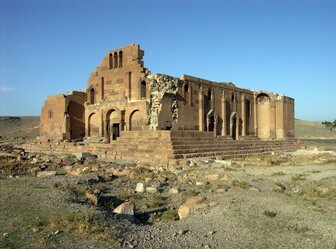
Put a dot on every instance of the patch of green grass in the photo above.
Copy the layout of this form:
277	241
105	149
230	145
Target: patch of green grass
279	173
155	200
269	214
34	222
226	168
80	223
169	215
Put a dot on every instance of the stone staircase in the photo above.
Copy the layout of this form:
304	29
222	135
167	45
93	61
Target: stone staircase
164	147
209	147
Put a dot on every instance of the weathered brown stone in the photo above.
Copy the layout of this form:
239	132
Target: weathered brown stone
191	204
160	118
127	209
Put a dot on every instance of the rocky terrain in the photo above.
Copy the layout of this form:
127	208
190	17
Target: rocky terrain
74	201
277	201
18	129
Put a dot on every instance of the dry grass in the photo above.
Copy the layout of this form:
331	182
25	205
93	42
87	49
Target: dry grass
240	184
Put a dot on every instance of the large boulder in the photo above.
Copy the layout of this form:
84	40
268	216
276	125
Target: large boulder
191	205
45	173
140	188
127	209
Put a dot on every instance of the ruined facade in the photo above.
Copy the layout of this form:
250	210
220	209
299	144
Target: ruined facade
123	96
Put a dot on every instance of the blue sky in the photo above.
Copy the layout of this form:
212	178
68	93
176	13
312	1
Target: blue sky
284	46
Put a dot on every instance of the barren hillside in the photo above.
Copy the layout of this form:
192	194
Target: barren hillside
311	129
24	126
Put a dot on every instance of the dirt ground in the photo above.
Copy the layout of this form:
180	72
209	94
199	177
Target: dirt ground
274	201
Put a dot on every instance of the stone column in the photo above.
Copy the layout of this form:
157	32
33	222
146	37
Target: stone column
86	124
243	106
255	115
212	101
201	109
237	127
101	132
215	124
223	115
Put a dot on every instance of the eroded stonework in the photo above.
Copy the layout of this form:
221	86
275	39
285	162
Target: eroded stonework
123	96
159	86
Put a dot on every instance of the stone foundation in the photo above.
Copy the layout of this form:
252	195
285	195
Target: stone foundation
168	147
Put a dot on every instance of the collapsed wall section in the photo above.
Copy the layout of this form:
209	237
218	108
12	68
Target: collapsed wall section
62	117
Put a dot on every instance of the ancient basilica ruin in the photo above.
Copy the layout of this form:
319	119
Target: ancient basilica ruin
128	112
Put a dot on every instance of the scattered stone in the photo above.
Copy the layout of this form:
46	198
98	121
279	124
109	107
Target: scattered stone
34	170
200	183
140	188
254	189
148	180
127	208
213	204
226	163
121	172
212	177
92	198
97	191
162	179
181	232
77	171
174	190
69	160
194	200
36	229
151	190
84	155
226	176
191	204
5	235
46	173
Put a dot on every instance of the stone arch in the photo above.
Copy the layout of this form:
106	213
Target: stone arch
93	122
143	90
263	115
120	59
210	120
233	126
112	124
110	61
135	121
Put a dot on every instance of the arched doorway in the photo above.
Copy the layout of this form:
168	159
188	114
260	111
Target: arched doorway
135	121
210	121
93	125
112	125
263	115
233	126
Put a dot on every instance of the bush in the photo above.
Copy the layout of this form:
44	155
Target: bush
270	214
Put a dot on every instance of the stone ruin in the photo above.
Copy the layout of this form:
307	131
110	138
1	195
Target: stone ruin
129	113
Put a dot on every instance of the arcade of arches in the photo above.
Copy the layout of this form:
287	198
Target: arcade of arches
123	96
